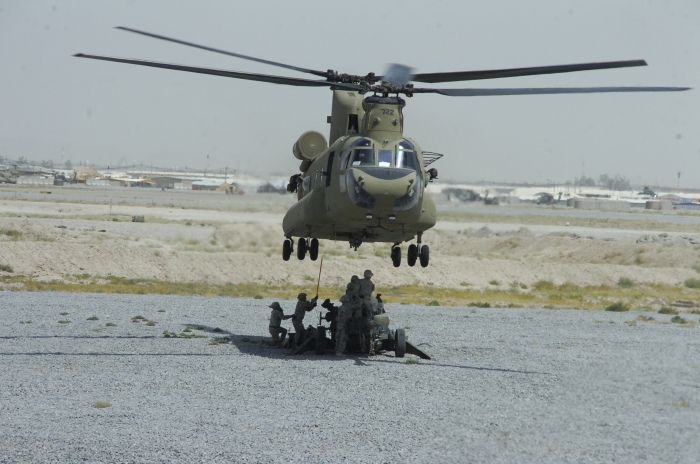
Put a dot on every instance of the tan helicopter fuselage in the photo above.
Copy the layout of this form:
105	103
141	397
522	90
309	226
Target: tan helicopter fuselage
369	184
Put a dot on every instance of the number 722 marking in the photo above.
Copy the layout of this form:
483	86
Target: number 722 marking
387	111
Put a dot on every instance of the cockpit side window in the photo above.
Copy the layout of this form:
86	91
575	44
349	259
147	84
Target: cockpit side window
406	156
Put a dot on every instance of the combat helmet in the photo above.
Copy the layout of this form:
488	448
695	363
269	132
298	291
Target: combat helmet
368	274
275	305
301	296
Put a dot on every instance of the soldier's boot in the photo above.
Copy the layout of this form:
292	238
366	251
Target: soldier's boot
340	353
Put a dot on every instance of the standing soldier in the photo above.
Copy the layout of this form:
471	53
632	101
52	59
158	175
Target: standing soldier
344	316
276	317
302	308
356	281
366	290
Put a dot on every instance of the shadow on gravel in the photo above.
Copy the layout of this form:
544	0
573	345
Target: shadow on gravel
494	369
77	336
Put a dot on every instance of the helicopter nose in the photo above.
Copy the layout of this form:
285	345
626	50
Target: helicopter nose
381	187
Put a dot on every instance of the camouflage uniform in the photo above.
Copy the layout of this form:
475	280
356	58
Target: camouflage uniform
366	290
302	308
344	316
276	317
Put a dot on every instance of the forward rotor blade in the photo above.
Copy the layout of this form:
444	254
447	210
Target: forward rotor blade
217	50
233	74
434	78
544	91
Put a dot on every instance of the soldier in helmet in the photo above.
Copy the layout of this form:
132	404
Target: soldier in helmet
302	308
331	316
356	281
276	318
344	317
366	290
367	313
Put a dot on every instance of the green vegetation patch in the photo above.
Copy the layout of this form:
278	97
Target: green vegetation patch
6	268
542	293
101	404
667	310
618	307
625	282
433	303
692	282
411	361
93	318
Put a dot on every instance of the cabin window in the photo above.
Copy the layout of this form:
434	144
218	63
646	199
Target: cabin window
306	185
385	158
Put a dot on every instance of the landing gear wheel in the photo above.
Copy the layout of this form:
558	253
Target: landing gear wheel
396	256
301	248
320	340
400	343
412	255
313	249
286	250
424	256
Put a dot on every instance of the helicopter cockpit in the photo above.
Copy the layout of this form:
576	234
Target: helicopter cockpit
363	154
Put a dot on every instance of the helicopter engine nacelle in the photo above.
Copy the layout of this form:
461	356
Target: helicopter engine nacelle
309	146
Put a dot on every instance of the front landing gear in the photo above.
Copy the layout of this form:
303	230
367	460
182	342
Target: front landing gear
396	255
303	245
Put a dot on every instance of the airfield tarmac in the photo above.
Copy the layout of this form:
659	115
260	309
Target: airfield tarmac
505	385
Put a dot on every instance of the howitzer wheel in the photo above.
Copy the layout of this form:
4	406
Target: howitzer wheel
320	340
400	343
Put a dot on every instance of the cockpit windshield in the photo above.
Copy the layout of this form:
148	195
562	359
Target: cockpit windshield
406	156
362	153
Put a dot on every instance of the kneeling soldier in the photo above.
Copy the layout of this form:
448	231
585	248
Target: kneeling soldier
276	317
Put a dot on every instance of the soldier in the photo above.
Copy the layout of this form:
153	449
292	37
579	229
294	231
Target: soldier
344	316
302	308
366	290
331	316
276	318
356	281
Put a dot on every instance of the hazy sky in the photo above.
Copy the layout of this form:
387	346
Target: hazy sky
54	105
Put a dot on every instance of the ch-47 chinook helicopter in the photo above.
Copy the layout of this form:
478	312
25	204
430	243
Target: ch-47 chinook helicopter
367	182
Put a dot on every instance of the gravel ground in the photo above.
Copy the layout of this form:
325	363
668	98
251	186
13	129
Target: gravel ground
505	385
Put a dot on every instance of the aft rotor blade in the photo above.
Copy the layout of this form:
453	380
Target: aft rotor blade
233	74
217	50
434	78
544	91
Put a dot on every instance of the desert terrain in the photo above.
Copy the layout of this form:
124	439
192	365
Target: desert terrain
78	234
